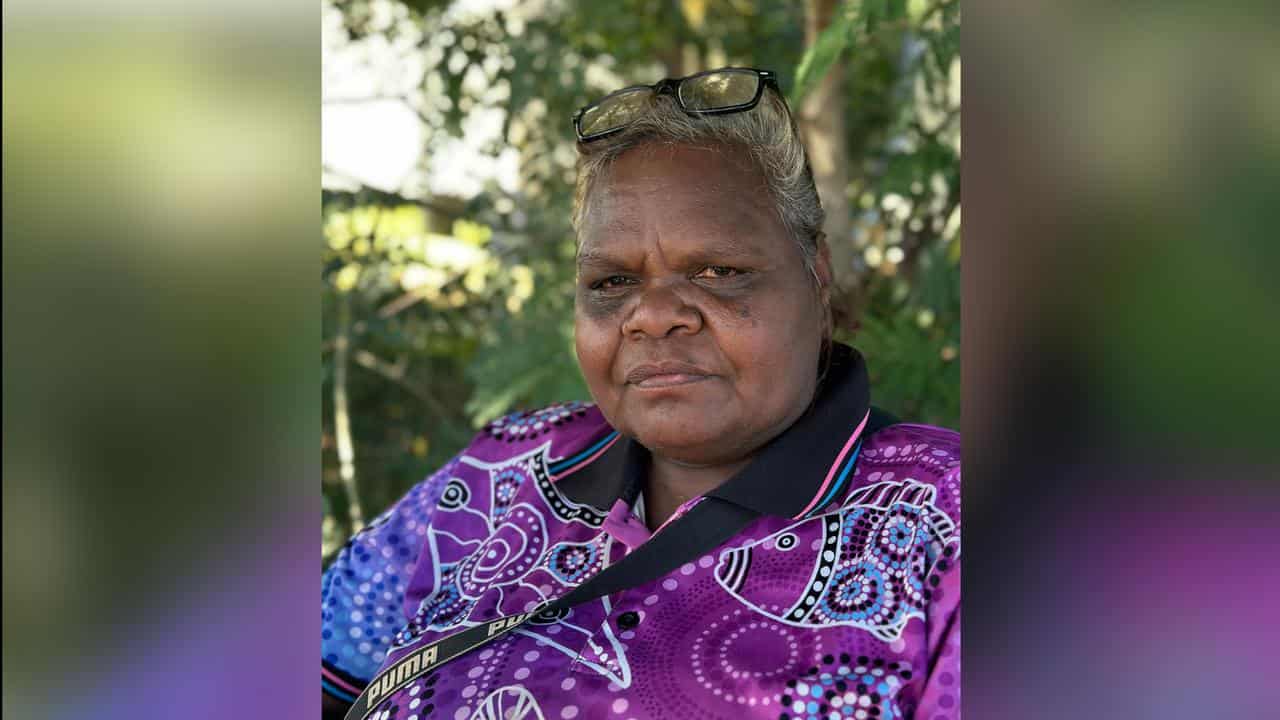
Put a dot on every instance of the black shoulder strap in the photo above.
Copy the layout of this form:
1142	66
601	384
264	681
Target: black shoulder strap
704	527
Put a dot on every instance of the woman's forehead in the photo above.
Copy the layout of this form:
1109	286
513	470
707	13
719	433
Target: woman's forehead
700	187
664	162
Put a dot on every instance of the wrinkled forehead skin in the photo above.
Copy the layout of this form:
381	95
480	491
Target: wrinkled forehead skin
718	186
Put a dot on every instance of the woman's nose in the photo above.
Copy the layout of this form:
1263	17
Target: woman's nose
661	311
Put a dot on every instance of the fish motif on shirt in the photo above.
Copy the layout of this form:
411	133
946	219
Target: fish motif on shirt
868	563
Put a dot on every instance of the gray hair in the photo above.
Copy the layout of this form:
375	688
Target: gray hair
767	132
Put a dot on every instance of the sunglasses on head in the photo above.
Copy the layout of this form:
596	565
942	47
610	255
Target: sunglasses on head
713	92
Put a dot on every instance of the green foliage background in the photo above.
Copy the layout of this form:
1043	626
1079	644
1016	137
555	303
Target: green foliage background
452	311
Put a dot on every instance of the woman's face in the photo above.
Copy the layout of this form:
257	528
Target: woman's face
698	328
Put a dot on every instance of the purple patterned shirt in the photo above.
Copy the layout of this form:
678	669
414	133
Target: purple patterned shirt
846	605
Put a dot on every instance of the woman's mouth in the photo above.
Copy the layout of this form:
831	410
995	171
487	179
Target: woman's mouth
672	380
664	375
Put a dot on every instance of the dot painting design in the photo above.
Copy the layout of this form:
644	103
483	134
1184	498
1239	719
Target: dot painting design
417	702
734	653
845	687
815	590
362	590
794	619
456	494
512	544
442	609
528	425
870	563
507	555
571	563
506	483
563	509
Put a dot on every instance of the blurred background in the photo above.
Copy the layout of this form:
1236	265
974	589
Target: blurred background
448	159
161	413
160	331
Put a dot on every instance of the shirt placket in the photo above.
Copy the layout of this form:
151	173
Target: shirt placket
603	619
622	615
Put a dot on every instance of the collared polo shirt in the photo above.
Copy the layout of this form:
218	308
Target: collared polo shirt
840	600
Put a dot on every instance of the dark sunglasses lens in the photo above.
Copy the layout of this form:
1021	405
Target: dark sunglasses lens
717	90
613	112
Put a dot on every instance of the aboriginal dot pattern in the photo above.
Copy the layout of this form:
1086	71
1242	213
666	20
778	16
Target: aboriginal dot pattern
814	618
530	425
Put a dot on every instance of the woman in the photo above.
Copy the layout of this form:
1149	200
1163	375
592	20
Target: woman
729	530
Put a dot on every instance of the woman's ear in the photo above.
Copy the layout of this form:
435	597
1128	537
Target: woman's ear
822	273
822	265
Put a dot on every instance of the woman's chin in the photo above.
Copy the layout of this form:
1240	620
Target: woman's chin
698	448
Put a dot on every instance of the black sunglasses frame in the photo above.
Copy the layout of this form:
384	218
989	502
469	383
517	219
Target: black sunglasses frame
672	87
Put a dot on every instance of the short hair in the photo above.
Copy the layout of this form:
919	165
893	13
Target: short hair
767	132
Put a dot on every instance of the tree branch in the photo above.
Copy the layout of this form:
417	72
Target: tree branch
396	373
342	415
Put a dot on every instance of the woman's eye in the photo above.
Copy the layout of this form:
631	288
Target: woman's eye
610	283
717	271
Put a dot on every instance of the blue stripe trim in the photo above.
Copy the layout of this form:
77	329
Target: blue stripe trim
562	464
343	675
839	484
336	692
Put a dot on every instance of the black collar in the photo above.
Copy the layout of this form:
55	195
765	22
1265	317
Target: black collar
792	474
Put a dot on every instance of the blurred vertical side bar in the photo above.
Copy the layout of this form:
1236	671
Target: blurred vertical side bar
160	327
1121	397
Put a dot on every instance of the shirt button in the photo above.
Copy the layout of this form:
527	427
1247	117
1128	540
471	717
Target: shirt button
628	619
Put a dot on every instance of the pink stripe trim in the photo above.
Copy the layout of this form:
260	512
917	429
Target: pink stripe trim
835	466
339	681
588	461
684	508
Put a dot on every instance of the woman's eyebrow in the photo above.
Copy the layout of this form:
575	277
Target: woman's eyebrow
720	247
731	246
597	258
